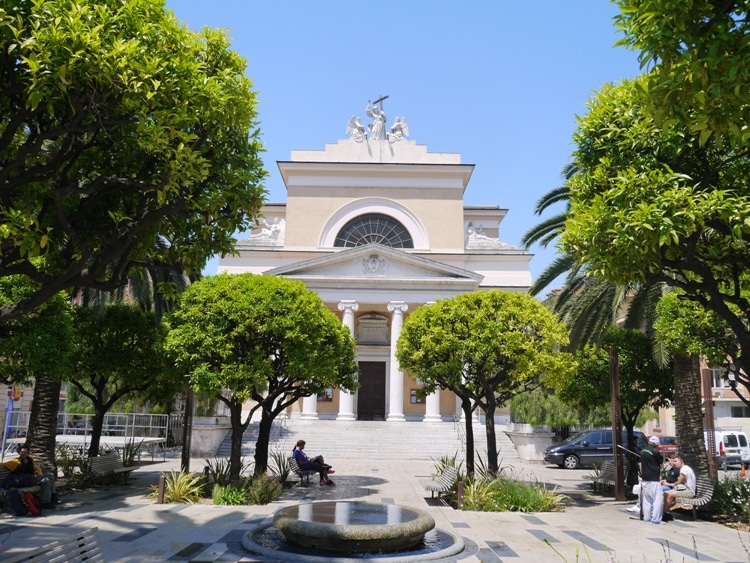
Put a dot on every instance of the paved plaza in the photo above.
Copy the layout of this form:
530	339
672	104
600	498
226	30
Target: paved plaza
593	528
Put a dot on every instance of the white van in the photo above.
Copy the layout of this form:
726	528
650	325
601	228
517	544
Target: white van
732	447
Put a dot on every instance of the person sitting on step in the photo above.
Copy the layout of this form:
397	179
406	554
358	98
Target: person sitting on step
315	464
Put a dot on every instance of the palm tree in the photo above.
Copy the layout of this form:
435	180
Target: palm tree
550	229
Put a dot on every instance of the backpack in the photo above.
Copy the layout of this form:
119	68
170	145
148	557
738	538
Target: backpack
14	501
32	503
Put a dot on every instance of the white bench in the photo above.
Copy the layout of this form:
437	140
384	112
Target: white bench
442	483
704	492
83	546
3	474
303	474
109	465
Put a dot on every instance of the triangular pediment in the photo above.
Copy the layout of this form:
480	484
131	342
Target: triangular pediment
375	262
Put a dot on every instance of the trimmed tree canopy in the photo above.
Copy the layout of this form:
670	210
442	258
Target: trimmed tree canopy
263	339
119	128
486	345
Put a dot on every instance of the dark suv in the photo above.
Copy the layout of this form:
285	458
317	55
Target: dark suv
592	447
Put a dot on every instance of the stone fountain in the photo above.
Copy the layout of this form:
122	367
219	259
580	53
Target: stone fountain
325	531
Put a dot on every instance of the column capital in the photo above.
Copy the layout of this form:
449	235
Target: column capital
349	304
395	306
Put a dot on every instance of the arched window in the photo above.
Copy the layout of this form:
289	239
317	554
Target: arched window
374	228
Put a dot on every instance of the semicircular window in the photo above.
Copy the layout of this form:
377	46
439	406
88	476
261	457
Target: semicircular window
374	228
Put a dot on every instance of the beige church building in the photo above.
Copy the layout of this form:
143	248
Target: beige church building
376	225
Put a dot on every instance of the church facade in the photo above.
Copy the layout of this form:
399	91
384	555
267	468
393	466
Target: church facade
376	225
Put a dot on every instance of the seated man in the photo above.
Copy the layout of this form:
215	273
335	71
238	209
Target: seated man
684	487
24	472
316	464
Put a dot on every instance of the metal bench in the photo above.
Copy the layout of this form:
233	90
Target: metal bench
303	474
704	492
441	483
606	475
3	474
83	546
110	465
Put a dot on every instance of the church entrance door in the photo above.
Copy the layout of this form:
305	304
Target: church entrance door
371	393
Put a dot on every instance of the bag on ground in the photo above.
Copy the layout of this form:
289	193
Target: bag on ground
18	481
14	501
32	503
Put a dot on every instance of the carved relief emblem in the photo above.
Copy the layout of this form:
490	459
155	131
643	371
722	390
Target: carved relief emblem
373	264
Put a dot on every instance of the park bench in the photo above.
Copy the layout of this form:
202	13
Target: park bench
441	483
3	474
303	474
83	546
606	475
704	492
110	465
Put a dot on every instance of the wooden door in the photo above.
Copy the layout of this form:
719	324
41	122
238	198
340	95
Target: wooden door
371	393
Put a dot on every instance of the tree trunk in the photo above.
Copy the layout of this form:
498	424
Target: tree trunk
97	424
43	422
261	446
689	412
489	425
235	457
630	458
466	408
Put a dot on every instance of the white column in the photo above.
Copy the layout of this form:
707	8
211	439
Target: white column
346	400
309	408
432	408
396	395
432	401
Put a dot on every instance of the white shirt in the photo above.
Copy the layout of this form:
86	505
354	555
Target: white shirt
689	477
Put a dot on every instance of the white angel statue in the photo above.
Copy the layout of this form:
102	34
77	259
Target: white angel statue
355	129
399	130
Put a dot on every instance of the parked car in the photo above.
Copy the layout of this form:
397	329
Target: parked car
732	448
591	447
667	445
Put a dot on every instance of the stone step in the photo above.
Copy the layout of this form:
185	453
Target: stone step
377	440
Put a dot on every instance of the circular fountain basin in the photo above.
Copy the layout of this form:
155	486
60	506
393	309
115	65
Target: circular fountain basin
353	527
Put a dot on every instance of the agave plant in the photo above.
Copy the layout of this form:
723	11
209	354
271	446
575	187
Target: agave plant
179	488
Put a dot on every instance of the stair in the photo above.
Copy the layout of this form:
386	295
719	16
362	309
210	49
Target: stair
340	440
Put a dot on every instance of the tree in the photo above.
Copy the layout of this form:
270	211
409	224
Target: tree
699	60
690	332
121	129
118	352
263	339
37	347
643	382
485	347
652	204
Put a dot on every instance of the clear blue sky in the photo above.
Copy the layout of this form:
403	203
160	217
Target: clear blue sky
500	82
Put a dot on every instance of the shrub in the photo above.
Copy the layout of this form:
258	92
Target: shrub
230	495
218	470
731	497
179	488
262	490
504	494
280	467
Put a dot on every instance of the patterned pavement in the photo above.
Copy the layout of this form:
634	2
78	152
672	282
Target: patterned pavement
593	528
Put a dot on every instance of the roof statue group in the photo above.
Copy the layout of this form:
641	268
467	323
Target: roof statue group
377	129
